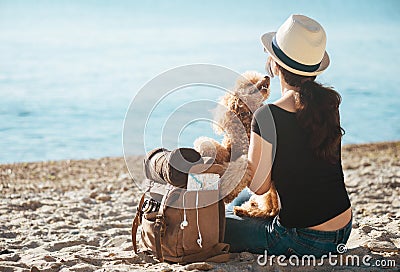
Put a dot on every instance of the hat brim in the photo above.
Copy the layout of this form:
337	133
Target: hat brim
266	40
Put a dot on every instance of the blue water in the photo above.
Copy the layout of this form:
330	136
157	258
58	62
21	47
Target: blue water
69	69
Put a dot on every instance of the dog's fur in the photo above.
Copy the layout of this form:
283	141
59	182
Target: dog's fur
233	120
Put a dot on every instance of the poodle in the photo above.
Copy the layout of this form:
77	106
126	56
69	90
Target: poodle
233	119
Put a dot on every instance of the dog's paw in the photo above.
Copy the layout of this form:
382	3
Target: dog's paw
205	146
239	211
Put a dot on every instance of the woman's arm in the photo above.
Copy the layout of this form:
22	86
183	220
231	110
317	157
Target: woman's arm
260	157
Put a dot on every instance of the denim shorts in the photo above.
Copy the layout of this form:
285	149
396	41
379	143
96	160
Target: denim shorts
256	235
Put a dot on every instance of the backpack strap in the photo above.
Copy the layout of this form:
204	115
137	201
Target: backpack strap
222	220
158	233
136	222
159	226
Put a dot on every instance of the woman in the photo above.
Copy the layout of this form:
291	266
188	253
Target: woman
315	215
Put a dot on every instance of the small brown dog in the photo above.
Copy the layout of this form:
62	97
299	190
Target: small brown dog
233	120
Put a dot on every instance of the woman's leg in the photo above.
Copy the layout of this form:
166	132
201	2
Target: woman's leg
246	233
256	235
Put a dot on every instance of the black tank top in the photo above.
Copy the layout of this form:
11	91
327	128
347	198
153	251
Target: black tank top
311	190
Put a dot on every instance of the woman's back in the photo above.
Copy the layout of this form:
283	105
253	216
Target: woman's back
311	190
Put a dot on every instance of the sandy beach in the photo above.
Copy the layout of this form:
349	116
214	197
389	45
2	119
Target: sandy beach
75	215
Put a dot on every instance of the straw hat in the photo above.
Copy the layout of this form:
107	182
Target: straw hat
298	46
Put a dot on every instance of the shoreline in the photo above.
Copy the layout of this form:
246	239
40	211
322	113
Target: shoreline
75	215
345	146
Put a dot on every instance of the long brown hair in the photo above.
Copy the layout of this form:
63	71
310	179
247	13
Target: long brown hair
318	113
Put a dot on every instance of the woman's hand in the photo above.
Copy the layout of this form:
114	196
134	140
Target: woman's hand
260	157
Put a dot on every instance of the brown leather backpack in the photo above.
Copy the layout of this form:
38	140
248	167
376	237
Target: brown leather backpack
189	225
184	235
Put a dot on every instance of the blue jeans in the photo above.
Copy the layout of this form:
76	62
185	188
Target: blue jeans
256	235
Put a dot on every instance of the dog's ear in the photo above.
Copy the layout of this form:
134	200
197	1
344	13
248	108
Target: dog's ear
237	105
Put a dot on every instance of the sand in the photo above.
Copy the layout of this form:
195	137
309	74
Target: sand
75	215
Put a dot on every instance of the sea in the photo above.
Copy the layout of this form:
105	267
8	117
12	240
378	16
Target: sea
69	70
